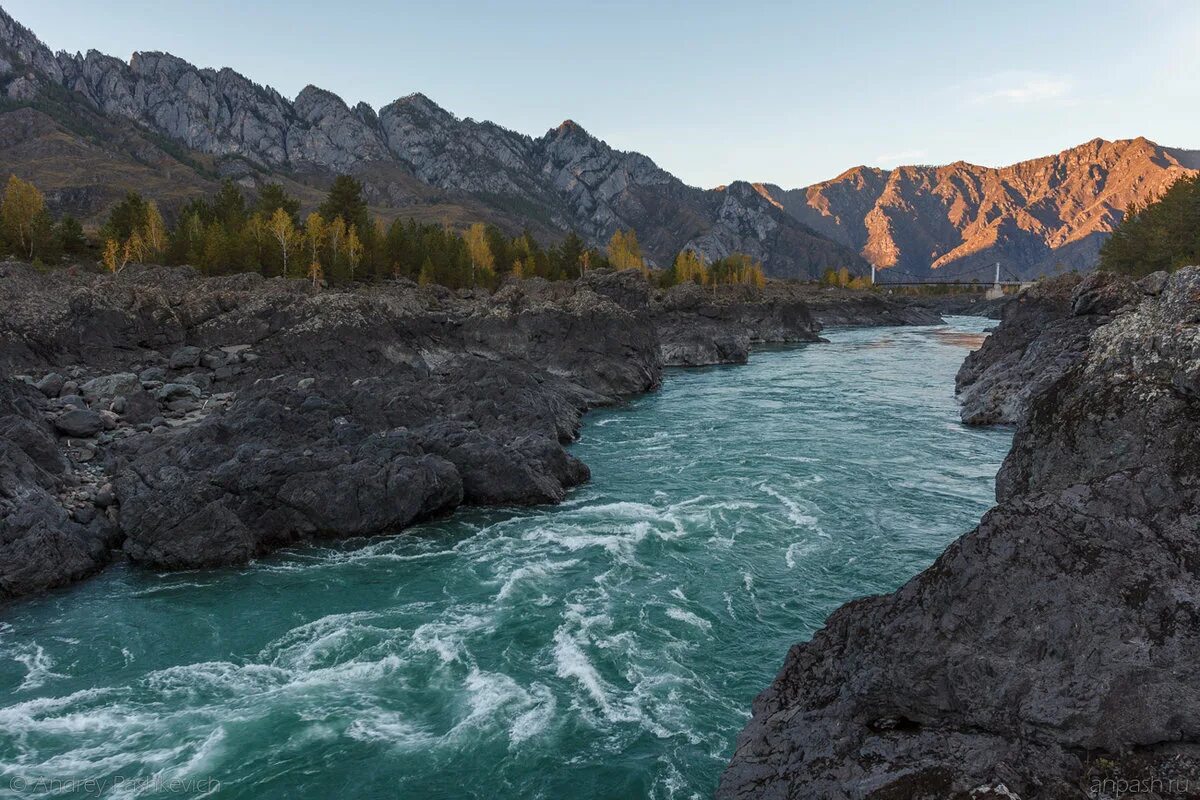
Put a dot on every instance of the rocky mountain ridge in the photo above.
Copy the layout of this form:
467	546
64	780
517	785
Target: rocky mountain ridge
565	179
1035	217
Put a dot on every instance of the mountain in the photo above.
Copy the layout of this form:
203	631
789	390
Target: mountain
1034	217
87	127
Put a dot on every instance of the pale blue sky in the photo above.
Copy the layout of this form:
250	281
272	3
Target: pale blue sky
790	93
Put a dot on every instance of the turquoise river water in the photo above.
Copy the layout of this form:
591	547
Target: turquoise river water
606	648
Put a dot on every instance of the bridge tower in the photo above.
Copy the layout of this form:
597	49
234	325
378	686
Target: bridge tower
997	291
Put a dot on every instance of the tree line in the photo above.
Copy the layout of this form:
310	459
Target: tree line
1162	235
337	243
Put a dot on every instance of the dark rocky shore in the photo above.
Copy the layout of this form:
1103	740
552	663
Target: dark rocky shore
185	422
1054	651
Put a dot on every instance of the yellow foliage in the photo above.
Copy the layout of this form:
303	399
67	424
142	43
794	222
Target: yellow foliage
283	231
21	204
624	252
480	252
689	268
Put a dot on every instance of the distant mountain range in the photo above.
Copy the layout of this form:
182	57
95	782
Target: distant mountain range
85	128
1034	217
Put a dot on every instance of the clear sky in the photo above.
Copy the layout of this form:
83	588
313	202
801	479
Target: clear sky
786	92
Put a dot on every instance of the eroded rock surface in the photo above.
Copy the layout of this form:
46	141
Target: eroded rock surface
1042	334
193	422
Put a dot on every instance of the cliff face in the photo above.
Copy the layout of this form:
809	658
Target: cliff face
1054	646
1034	217
409	154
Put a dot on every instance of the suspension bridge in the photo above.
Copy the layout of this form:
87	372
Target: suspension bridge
1002	277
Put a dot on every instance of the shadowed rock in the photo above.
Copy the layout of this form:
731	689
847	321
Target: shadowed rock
1054	644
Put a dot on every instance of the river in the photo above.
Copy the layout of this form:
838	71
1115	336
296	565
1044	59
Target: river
606	648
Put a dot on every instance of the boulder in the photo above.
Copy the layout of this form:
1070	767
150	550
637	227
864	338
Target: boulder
79	423
51	385
185	358
110	386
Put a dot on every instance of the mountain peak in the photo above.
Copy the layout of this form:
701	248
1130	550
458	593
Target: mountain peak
963	216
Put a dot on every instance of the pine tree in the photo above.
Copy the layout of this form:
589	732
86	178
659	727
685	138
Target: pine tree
125	218
229	207
273	196
71	240
345	200
1163	235
427	272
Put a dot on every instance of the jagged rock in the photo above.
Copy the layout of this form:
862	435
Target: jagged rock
1154	283
79	423
40	546
1055	642
1103	293
1040	338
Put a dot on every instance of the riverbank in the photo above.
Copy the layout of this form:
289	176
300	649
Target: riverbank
604	647
1051	652
186	422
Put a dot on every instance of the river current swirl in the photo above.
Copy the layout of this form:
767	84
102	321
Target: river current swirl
606	648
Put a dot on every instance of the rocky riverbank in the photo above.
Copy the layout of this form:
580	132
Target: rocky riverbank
1052	652
183	422
1044	332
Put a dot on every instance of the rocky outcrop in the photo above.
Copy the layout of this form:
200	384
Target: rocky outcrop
697	326
1042	334
1050	653
845	308
1034	217
50	531
193	422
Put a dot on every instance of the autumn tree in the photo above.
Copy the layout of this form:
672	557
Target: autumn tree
19	209
153	233
116	256
283	231
354	251
624	252
483	263
689	268
737	268
314	236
